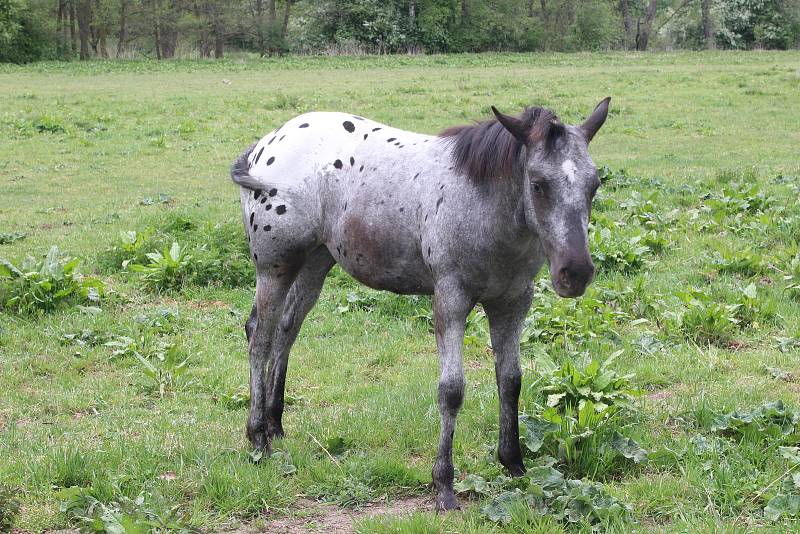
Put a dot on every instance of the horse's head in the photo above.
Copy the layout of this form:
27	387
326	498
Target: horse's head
560	181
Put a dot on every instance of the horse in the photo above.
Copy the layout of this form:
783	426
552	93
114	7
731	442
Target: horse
468	216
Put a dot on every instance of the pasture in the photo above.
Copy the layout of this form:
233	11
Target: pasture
132	397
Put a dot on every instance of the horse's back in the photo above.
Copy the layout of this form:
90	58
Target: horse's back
309	144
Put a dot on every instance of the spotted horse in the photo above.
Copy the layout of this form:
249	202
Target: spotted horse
468	216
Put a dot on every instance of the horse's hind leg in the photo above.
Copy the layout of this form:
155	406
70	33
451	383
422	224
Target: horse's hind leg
302	297
271	293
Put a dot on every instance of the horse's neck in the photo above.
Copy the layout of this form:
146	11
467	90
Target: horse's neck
505	205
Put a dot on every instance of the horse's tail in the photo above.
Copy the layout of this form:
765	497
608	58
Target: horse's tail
240	171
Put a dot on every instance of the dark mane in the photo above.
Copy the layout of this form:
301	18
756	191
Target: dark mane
486	150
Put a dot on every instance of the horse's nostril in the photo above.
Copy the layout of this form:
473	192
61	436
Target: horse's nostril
577	275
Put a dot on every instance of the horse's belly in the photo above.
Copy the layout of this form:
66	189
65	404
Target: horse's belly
381	256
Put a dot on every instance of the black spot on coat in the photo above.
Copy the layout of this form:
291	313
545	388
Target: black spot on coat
256	194
280	210
258	155
272	192
391	139
349	126
304	125
352	160
337	164
271	160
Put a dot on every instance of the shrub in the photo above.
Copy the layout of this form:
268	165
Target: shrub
771	421
208	254
9	507
703	320
145	513
613	252
10	237
743	261
792	277
549	493
44	285
580	420
552	319
786	502
166	270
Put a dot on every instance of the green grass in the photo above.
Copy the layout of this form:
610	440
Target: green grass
92	150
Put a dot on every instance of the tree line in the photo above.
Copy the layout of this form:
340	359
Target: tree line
33	30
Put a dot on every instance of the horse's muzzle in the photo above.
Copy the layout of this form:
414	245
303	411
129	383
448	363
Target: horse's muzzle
572	279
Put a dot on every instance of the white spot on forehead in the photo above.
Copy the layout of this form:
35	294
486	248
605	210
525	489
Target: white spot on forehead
569	169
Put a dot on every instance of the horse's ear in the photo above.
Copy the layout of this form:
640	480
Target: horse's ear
596	119
513	125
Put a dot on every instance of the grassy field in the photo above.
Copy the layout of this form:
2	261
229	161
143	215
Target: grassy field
142	393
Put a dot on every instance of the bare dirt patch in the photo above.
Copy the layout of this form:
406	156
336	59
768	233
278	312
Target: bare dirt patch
329	518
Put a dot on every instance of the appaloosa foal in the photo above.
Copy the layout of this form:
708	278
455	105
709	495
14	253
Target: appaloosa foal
469	216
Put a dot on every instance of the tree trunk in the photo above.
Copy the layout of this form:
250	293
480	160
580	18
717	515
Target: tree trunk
643	37
122	36
101	29
157	33
285	27
73	34
219	45
708	25
273	15
60	26
218	30
545	13
627	22
464	11
84	19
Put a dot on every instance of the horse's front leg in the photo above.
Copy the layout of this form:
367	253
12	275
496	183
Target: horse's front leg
506	319
451	307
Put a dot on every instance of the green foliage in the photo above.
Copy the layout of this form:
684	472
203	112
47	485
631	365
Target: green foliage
786	502
47	284
570	386
744	261
580	419
143	514
26	34
792	278
569	501
10	237
165	370
747	24
612	251
771	421
166	270
704	320
556	320
210	254
9	507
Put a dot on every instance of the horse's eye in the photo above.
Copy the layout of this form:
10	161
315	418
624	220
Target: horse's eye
537	188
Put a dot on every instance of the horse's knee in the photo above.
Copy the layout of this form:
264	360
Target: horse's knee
451	394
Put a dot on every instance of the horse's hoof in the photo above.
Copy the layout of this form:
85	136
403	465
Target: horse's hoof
515	469
275	432
446	500
259	440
